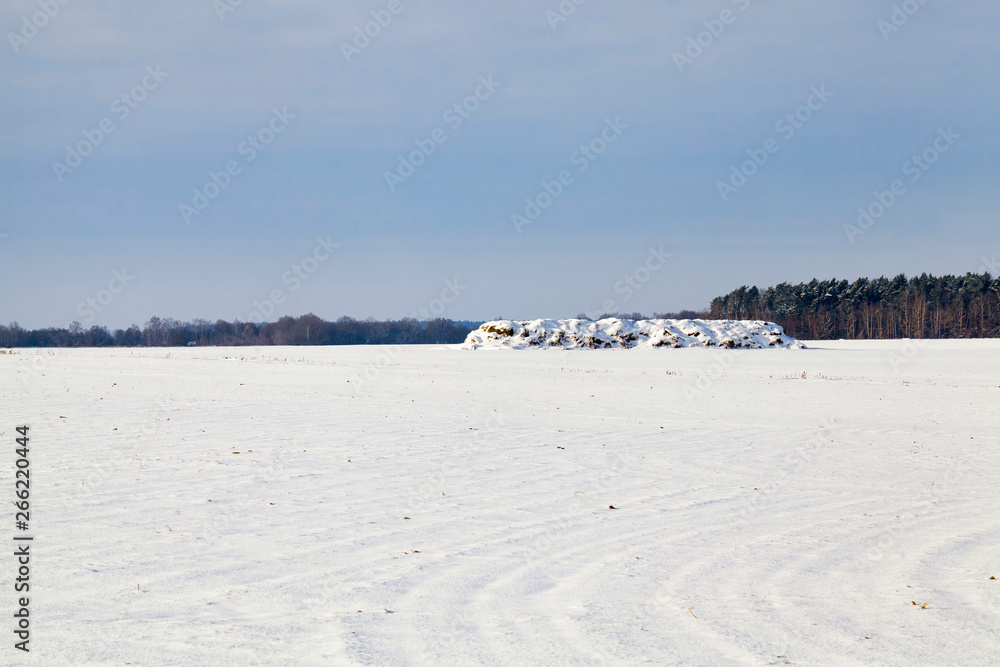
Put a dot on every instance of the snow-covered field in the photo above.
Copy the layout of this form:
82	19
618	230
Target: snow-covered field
438	506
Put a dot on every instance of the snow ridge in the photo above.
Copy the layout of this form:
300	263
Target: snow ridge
615	333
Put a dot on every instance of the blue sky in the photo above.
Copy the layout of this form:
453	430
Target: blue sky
345	120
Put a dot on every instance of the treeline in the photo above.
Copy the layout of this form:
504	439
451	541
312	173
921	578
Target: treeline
921	307
682	315
305	330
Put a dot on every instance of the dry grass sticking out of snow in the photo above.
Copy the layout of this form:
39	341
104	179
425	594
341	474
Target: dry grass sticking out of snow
263	506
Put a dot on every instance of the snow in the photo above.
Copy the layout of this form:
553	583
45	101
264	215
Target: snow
612	332
771	507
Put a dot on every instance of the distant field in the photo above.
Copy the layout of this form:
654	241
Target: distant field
431	505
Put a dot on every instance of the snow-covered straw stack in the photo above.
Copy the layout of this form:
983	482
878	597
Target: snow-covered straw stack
615	333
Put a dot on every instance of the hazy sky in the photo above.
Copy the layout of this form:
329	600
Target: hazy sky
309	114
